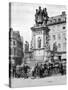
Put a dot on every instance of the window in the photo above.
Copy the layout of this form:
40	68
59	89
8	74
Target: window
59	19
51	21
53	27
55	20
59	45
11	42
14	51
64	45
14	42
65	18
54	37
64	36
63	27
54	47
59	37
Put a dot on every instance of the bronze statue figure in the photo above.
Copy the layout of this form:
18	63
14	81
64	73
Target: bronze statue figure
41	16
45	15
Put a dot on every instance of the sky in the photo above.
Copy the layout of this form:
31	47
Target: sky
23	16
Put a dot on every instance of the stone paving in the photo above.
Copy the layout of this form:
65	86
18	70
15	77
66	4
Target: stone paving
53	80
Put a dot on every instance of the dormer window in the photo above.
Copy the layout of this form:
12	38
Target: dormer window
59	19
55	20
63	27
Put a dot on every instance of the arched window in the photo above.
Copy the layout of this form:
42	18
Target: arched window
54	47
39	42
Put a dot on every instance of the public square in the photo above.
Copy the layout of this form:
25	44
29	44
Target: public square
53	80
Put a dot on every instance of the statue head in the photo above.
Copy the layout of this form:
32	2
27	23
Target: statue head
45	9
39	7
36	10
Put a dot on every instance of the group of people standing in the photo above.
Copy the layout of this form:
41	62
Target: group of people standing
39	70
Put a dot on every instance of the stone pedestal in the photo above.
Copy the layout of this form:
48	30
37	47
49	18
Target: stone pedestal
42	32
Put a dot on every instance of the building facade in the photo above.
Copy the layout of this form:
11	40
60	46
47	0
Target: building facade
15	47
55	27
28	55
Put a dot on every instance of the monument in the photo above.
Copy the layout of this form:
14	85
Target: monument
40	36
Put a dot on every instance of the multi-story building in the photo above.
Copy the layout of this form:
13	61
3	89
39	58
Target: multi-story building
27	54
56	27
15	47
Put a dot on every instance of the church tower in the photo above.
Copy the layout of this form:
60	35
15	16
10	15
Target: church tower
40	45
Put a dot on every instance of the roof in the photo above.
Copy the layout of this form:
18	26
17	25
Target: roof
57	19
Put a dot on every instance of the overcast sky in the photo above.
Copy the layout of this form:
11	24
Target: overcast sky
23	15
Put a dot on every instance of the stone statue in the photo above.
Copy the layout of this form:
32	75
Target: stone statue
40	11
54	47
45	15
38	16
39	42
41	16
26	46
